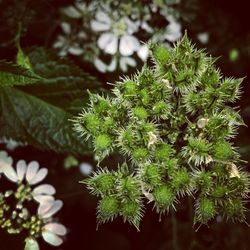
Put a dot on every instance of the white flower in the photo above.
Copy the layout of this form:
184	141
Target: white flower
124	62
31	172
49	208
173	30
78	11
143	52
66	43
4	160
11	144
44	193
117	36
51	233
203	37
85	168
32	175
51	230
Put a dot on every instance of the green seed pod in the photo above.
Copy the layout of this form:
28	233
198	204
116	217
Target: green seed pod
219	191
140	113
144	97
223	151
160	108
129	88
132	212
102	142
108	209
129	187
140	154
203	181
197	151
126	140
163	152
101	105
211	75
181	182
151	175
146	77
234	210
230	89
164	198
205	210
91	122
160	53
108	124
102	183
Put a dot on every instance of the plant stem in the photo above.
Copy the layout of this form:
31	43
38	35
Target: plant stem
174	231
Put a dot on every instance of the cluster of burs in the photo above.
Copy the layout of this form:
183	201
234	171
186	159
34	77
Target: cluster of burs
172	123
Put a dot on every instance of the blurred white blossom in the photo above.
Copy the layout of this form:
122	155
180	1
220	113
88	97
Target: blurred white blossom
119	34
27	176
203	37
86	168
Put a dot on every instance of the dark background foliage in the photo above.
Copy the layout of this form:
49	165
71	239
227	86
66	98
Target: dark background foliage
227	23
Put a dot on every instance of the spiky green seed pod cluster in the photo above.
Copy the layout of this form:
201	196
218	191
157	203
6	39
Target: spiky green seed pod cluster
173	121
120	194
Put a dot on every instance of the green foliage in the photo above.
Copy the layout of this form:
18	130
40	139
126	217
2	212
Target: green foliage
173	122
12	74
39	112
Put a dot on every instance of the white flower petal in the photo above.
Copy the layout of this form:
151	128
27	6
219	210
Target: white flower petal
75	51
9	172
5	158
203	37
71	12
44	189
99	26
82	35
173	31
66	27
41	174
131	26
128	45
103	17
108	42
124	61
40	198
21	169
60	42
44	207
112	66
102	67
31	244
31	170
52	238
123	65
49	209
56	228
143	52
146	27
85	168
81	6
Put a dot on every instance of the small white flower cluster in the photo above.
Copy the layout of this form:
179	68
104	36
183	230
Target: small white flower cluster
26	177
115	32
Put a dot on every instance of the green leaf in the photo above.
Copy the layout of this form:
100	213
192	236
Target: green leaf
22	59
63	83
31	244
27	118
12	74
39	113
